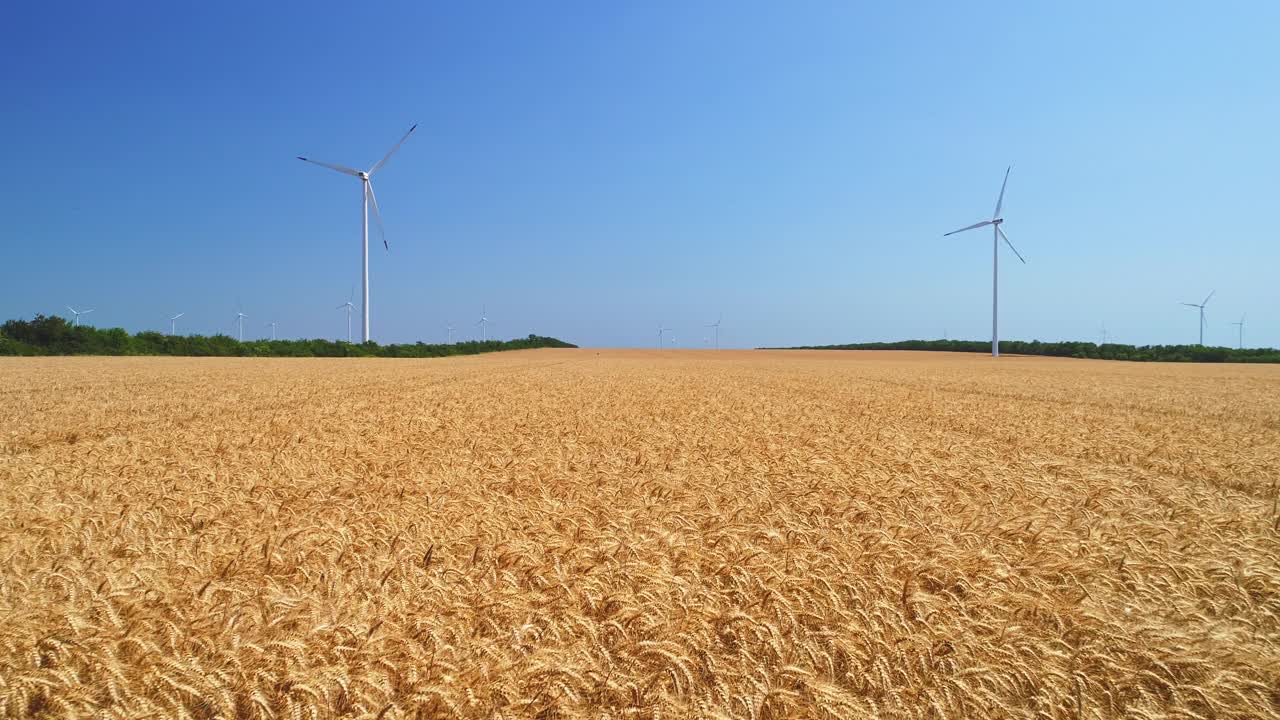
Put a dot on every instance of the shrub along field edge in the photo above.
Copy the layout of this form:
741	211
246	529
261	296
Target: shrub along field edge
1094	351
52	335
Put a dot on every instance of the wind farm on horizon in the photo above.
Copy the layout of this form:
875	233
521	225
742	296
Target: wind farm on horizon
665	335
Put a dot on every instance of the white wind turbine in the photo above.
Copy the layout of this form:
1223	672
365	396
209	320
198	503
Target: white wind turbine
996	235
348	306
661	330
78	313
272	325
716	325
449	329
484	324
1240	327
240	316
173	323
1201	307
369	197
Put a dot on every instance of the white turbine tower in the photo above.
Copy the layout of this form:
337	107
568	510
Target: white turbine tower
1240	327
173	323
369	197
1201	307
349	307
240	316
449	329
716	325
660	331
272	325
78	313
484	324
996	235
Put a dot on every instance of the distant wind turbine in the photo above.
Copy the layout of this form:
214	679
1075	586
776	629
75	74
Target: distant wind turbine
716	325
364	220
996	235
240	316
1201	308
1240	327
484	324
660	331
78	313
272	325
349	306
173	323
449	328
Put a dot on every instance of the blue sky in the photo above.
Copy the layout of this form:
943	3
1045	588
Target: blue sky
589	170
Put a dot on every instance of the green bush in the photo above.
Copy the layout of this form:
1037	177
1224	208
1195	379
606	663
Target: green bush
53	335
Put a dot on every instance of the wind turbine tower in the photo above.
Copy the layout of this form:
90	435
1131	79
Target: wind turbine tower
1201	308
997	233
1240	328
484	324
369	198
272	325
661	330
716	325
173	323
240	316
78	313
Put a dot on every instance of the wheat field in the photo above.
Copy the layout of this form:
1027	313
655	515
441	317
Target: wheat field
631	534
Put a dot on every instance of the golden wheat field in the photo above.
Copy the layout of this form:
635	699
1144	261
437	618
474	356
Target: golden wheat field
572	533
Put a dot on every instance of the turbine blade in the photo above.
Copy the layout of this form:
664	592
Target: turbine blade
1190	305
1011	247
1206	300
392	151
1000	200
86	312
974	226
339	168
377	216
73	310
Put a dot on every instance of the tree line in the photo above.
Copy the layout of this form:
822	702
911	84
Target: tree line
1106	351
53	335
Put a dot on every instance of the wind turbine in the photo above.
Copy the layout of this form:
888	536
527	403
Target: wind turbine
660	331
272	325
349	307
483	323
78	313
996	234
716	325
173	323
364	220
449	328
240	316
1240	327
1201	307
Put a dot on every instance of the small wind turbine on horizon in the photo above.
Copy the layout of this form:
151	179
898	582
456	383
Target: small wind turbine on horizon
78	313
173	323
716	325
661	330
483	322
272	325
449	329
1240	328
349	307
240	316
369	197
997	233
1201	308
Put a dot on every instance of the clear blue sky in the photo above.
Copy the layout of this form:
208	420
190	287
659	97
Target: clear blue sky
591	169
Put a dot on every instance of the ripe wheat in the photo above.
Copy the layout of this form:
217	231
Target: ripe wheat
565	533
